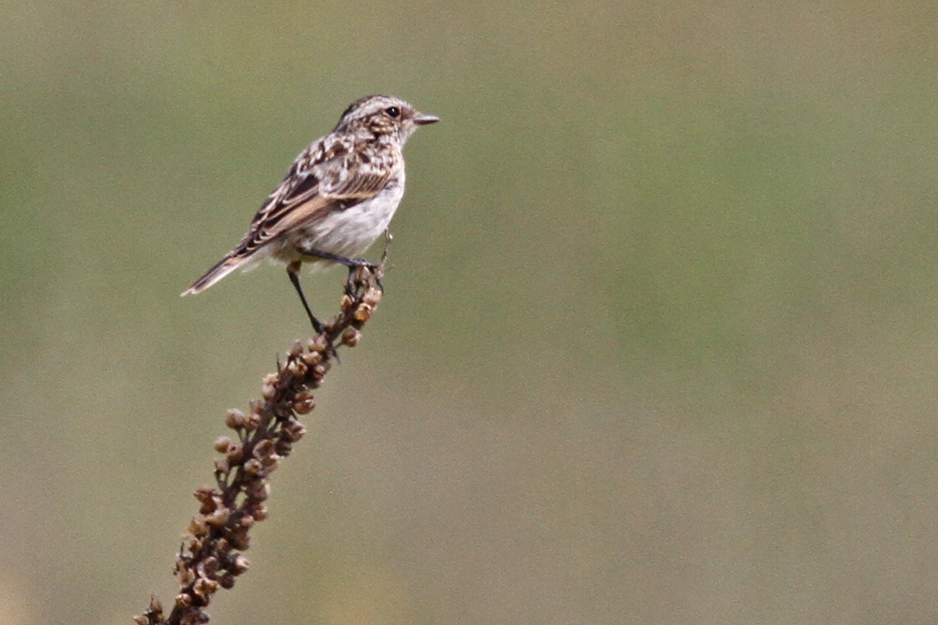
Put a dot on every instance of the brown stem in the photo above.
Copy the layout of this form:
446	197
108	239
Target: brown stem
211	556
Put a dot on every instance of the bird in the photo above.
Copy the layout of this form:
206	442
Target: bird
337	198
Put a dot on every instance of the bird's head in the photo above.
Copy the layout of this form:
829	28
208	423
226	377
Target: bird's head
383	117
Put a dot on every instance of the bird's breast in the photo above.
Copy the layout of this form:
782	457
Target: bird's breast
350	231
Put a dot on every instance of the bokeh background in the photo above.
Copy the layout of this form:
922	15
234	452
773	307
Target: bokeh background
660	344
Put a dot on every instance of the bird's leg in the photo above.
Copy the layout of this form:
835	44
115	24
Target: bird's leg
292	271
351	263
384	258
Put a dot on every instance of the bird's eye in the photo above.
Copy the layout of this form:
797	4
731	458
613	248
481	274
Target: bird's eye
393	111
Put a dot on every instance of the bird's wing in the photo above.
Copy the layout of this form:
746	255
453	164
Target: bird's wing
327	176
357	175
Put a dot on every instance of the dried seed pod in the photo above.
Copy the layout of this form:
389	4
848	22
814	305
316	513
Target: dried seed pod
239	539
204	588
363	312
293	430
241	565
205	493
303	402
372	296
197	526
234	454
319	344
253	467
184	577
297	368
208	567
263	449
259	490
254	420
351	336
218	518
235	419
222	547
260	512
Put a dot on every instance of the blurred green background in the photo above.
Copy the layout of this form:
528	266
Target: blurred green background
660	344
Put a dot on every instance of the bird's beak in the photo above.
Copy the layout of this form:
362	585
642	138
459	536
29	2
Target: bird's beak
421	119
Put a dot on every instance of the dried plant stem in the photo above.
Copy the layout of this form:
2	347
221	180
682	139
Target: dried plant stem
211	556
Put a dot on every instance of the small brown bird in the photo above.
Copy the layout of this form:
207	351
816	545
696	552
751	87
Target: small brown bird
337	198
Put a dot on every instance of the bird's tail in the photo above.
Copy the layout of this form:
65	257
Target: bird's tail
221	269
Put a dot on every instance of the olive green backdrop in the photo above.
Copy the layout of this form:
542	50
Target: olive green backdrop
660	344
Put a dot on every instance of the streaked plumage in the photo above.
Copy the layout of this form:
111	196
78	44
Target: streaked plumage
337	198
